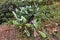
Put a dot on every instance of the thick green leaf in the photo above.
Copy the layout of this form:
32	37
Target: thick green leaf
10	21
37	24
29	25
24	19
42	34
16	23
27	32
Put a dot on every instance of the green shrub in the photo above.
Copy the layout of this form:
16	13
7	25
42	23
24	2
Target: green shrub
36	11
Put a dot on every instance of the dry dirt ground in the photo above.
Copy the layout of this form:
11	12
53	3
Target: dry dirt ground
7	32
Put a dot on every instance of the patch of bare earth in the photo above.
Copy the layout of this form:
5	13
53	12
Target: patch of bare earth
8	32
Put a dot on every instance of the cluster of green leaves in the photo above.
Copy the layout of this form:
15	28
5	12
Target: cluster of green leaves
40	12
5	18
24	14
27	2
57	16
38	9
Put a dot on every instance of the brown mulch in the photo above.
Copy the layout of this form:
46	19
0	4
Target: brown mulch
8	32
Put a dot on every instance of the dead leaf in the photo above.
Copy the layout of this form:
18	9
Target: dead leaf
35	33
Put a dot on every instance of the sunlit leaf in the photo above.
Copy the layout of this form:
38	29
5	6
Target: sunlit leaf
24	19
16	23
42	34
29	25
37	24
